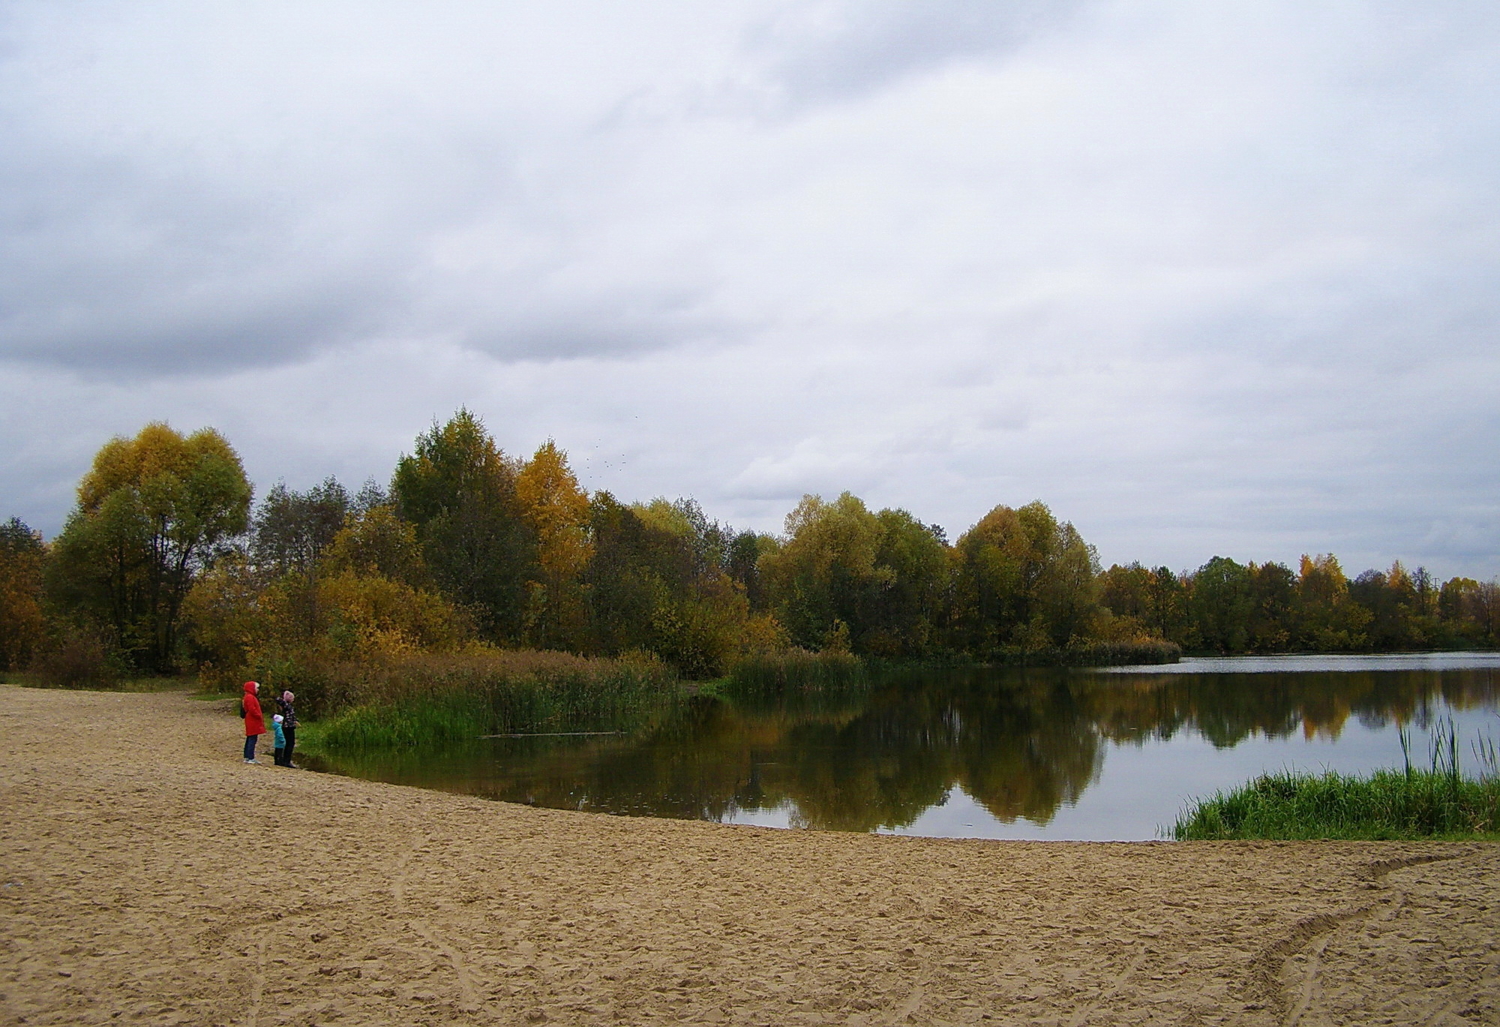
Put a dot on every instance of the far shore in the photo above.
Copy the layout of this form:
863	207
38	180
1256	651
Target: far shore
147	875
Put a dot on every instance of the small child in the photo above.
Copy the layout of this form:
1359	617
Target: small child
281	760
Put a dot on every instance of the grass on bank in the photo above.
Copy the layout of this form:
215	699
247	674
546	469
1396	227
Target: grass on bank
1435	803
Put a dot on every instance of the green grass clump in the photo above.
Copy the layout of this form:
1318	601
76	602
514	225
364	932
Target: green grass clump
1388	804
428	701
795	670
1408	804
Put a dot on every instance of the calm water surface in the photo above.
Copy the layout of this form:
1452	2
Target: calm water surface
1053	754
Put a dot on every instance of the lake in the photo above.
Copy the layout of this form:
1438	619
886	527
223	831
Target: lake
1110	754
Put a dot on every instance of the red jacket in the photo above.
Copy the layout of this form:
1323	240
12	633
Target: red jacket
255	719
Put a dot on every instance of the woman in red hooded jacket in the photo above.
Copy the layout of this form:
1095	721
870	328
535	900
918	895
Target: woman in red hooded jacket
255	719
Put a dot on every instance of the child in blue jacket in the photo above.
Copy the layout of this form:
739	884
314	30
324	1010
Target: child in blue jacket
281	760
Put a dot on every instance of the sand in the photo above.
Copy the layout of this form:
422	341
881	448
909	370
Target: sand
148	876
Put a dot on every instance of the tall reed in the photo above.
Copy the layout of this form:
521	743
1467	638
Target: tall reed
791	671
427	700
1089	654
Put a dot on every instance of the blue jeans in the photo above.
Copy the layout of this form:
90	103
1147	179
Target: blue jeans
250	741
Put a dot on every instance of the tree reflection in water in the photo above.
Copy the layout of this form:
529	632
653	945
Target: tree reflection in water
1021	743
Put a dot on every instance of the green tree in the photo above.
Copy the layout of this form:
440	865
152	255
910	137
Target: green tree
743	562
291	529
459	490
1273	593
152	513
657	582
912	570
1222	604
1470	611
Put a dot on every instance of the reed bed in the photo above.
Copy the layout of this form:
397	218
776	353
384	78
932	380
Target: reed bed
440	701
792	671
1437	802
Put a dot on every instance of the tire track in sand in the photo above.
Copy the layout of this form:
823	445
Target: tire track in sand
1267	968
469	1001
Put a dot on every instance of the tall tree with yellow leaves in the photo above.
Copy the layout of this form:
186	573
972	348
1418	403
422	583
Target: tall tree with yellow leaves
556	508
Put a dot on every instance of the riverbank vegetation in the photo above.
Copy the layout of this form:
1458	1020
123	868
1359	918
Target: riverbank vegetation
167	565
1385	805
1437	802
440	701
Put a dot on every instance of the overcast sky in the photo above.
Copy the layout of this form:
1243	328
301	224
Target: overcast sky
1205	278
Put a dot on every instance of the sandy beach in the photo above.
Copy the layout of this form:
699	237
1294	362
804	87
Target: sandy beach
148	876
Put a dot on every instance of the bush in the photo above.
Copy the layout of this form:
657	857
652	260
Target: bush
78	661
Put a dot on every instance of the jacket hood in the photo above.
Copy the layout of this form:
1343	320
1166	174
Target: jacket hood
249	686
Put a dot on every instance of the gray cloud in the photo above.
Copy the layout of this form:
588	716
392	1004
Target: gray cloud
821	52
1205	279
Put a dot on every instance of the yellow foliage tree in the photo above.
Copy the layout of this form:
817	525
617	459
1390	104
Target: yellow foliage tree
153	512
556	509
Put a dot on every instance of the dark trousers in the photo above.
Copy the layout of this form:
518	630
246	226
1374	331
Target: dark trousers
291	743
280	756
250	741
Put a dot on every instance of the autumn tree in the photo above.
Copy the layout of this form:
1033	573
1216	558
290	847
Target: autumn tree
556	510
22	625
825	573
1124	591
373	540
152	512
1325	616
1023	580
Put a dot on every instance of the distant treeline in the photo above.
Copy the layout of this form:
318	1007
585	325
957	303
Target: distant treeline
167	564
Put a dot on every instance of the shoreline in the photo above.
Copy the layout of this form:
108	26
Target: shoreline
148	876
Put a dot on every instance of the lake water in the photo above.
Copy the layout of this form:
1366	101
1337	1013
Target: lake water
1042	754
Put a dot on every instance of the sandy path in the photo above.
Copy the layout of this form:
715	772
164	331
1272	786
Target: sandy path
148	876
